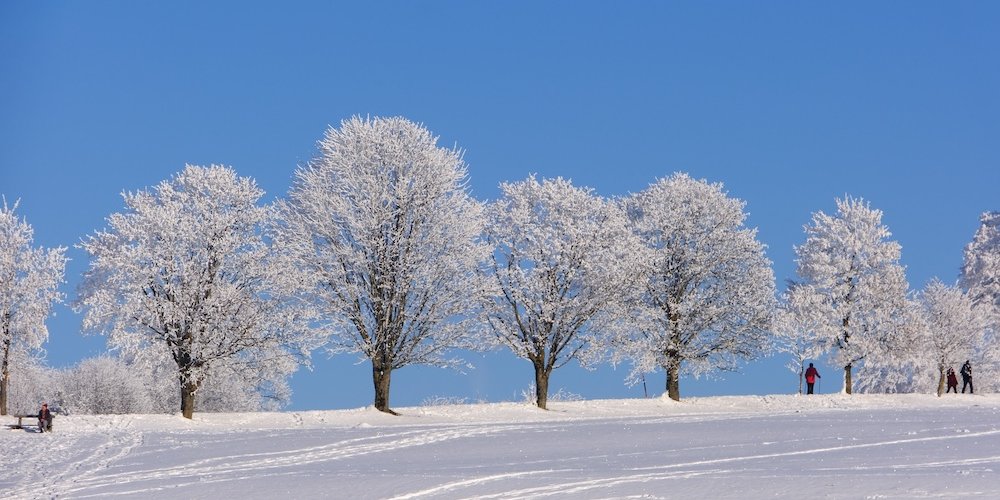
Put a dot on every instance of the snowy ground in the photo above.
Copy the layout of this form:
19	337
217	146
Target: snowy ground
861	446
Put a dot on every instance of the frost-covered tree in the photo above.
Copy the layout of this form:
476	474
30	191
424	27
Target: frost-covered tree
796	327
33	385
29	281
981	269
981	278
955	328
562	264
104	385
186	267
901	367
147	384
853	268
707	299
386	239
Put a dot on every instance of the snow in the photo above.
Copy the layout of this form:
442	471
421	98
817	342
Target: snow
826	446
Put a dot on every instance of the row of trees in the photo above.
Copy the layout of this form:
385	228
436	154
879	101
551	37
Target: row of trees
379	250
852	300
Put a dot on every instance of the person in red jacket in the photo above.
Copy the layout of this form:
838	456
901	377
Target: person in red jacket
811	375
952	381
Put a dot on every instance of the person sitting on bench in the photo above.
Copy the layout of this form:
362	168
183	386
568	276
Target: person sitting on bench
44	418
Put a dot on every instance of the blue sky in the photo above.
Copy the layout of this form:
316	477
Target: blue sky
789	104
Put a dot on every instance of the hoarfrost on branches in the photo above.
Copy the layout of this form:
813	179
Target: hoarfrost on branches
104	385
954	331
901	367
33	384
707	297
852	268
981	269
386	239
29	281
185	272
981	278
563	261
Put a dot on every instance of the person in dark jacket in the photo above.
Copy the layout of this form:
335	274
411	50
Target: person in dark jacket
811	375
952	381
44	419
967	377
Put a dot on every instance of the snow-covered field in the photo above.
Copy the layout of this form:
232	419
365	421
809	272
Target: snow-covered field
828	446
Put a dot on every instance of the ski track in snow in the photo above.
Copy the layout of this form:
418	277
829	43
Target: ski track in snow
52	479
81	475
649	474
879	452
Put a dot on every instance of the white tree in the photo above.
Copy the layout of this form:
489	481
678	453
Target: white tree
981	269
224	389
187	267
981	278
796	328
386	238
707	299
563	262
33	385
29	281
899	367
104	385
853	268
955	328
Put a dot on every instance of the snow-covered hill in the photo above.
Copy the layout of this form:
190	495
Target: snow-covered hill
829	446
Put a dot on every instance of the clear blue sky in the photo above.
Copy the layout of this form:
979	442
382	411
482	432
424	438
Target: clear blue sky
788	104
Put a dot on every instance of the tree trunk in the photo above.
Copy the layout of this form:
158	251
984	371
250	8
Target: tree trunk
381	378
673	369
185	365
4	381
188	391
4	377
941	380
802	371
541	386
847	337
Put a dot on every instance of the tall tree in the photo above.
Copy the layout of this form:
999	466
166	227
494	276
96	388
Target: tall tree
851	265
563	260
981	278
29	281
708	296
185	272
981	269
955	327
386	238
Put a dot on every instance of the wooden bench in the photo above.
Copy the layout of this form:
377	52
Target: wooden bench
32	422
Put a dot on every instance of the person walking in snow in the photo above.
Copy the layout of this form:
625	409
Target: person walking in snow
811	375
952	381
967	377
